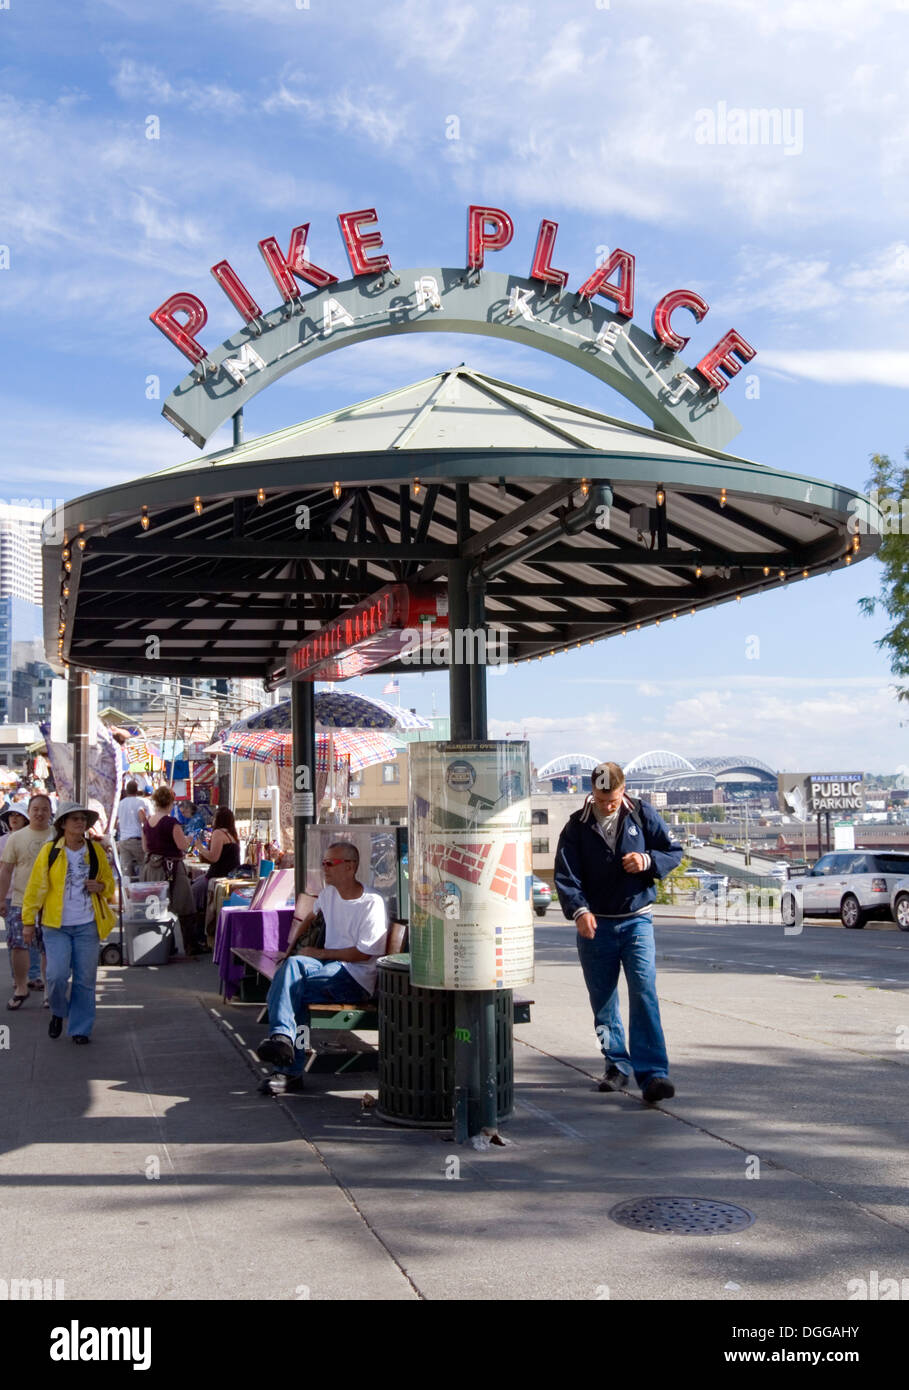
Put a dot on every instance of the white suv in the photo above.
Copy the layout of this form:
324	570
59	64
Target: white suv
853	885
899	903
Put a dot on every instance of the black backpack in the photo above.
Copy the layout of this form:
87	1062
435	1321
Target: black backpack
92	859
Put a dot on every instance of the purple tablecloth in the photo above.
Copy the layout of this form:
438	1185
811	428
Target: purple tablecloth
254	930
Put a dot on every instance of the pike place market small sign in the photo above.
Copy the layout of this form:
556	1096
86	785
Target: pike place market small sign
321	313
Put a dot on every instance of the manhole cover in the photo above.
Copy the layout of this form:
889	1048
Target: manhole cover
681	1216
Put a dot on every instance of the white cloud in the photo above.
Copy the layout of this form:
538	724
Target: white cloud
133	80
72	453
841	366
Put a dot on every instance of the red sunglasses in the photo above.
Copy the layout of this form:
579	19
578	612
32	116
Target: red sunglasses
327	863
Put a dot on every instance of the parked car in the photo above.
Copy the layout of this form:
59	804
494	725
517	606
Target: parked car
542	896
854	885
899	903
712	886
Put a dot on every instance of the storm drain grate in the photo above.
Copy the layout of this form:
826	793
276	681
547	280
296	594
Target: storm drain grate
681	1216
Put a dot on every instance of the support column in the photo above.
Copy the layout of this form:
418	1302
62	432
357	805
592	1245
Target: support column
475	1105
303	724
77	719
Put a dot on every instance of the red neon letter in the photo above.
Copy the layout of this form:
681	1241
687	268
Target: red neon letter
542	268
721	357
623	294
676	299
296	262
236	291
478	238
181	334
358	243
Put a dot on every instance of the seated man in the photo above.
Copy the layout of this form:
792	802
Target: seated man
343	970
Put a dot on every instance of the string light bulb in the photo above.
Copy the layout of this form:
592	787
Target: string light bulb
848	559
856	542
585	486
416	492
782	574
804	574
66	554
723	497
197	505
738	598
81	542
67	566
766	571
336	490
698	571
260	497
144	519
66	591
660	496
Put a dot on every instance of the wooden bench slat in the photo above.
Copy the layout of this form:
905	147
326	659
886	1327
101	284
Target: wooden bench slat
265	963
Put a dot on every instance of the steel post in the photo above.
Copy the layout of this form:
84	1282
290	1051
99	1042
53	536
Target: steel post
303	724
77	719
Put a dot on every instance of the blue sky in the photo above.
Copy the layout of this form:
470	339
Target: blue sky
273	112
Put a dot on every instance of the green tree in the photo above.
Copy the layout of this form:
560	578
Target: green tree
890	482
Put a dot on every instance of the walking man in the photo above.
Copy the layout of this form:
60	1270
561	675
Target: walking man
610	854
129	831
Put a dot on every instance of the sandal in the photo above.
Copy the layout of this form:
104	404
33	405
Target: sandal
36	984
17	1001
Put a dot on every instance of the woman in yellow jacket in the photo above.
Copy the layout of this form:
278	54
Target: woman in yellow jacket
71	886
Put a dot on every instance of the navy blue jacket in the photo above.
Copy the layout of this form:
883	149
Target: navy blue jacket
589	875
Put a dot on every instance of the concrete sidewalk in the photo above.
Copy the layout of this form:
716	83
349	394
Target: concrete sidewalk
147	1166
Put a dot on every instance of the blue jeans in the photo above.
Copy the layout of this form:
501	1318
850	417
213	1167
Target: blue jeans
628	943
299	982
72	950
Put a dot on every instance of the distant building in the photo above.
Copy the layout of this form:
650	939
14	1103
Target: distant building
20	552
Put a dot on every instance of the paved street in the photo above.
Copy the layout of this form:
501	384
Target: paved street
147	1165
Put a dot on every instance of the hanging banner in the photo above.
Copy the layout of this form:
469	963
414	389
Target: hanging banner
471	872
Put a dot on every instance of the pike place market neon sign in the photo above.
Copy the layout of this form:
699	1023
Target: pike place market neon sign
320	313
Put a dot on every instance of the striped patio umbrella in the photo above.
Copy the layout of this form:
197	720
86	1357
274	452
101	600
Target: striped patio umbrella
363	747
335	709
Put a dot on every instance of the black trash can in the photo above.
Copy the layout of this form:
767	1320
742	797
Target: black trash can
416	1050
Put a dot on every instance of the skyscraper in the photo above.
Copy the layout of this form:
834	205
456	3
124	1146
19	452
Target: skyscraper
20	551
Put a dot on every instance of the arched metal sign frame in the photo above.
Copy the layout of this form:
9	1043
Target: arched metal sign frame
448	300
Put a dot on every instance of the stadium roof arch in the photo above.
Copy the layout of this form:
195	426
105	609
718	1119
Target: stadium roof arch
659	760
568	762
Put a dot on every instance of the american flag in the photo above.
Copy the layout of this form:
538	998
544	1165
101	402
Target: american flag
393	686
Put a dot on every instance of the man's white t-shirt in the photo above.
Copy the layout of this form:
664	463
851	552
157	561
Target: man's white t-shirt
128	822
358	922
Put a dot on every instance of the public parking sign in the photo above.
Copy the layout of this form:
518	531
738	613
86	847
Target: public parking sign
837	791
